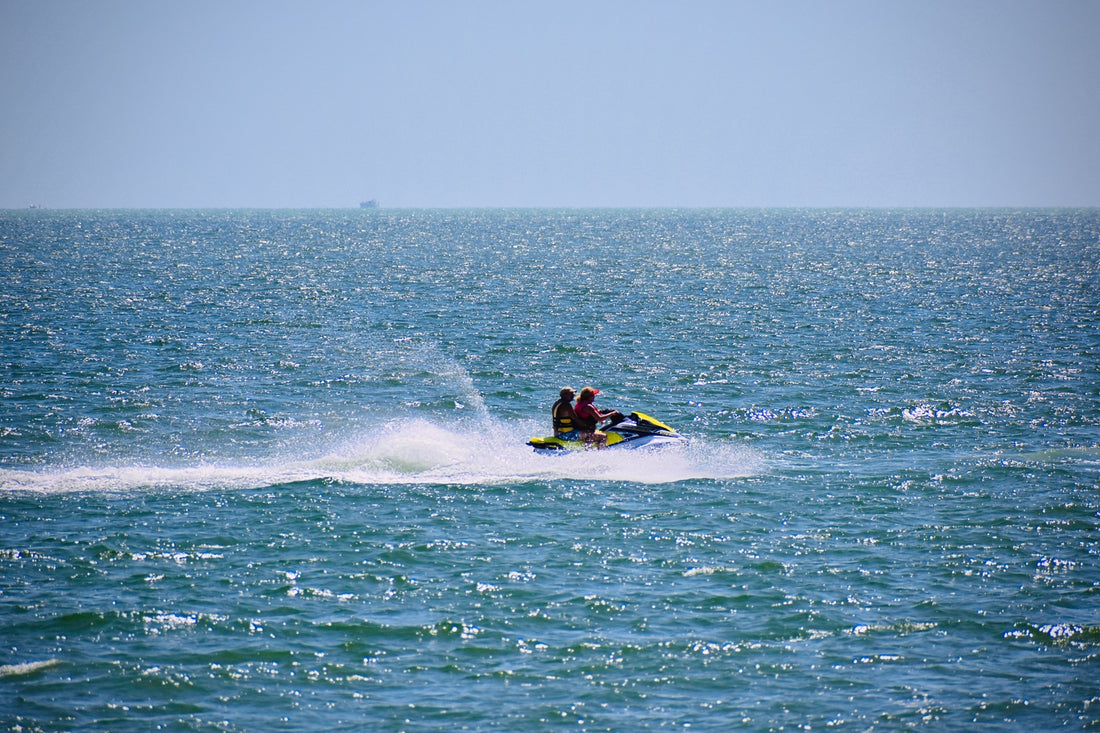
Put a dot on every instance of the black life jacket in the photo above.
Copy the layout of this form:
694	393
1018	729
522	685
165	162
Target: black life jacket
563	421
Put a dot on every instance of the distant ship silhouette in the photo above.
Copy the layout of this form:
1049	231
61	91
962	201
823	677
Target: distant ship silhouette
372	204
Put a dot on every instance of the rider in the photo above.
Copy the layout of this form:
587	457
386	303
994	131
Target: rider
565	420
589	416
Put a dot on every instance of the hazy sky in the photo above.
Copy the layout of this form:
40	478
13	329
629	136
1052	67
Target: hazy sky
241	103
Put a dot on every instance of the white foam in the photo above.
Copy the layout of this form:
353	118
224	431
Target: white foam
414	451
129	477
12	670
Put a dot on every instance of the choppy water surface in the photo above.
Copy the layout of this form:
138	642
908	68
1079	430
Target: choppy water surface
266	470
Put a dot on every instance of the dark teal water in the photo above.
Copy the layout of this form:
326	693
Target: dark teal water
266	470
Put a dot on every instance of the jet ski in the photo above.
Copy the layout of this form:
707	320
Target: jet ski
637	431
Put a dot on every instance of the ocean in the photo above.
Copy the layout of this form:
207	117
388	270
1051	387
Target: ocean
267	470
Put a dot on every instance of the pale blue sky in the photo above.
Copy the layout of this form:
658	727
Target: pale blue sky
241	103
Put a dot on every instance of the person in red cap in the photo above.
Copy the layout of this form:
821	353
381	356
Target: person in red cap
589	416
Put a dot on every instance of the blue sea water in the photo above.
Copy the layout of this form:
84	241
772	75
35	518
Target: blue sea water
266	470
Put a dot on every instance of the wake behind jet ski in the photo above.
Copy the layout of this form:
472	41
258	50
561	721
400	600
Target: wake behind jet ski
636	431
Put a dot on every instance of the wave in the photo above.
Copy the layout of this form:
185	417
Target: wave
411	451
26	668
